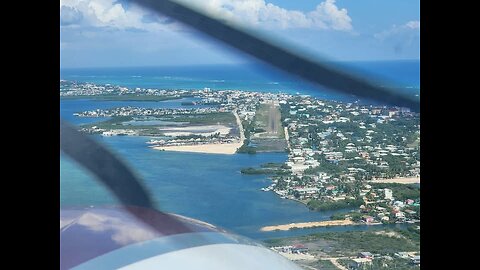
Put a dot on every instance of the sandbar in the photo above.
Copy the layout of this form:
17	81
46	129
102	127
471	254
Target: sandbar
214	148
302	225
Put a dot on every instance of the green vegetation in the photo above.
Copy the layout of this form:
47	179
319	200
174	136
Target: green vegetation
194	136
251	170
354	216
325	206
362	131
401	192
411	233
115	122
272	165
382	264
246	149
222	118
324	265
248	128
266	168
265	132
327	167
351	127
350	243
267	118
269	145
355	242
346	262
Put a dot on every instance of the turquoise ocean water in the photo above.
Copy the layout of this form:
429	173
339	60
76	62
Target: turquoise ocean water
208	187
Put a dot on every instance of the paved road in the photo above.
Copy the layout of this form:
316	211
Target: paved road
240	126
287	138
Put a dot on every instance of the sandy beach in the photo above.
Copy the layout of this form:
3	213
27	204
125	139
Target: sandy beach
213	148
302	225
403	180
217	148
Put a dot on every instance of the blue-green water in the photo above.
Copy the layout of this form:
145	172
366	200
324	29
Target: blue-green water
204	186
208	187
253	77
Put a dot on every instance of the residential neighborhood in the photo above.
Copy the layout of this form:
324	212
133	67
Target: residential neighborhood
338	154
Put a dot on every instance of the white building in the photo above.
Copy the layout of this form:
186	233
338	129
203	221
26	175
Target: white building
388	194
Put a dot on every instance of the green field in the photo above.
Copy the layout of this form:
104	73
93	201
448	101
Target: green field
351	242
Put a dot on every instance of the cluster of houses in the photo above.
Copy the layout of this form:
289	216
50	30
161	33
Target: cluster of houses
70	88
413	257
316	125
315	138
379	205
137	111
365	259
392	209
293	249
316	134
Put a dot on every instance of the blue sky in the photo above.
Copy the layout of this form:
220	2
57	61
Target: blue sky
106	33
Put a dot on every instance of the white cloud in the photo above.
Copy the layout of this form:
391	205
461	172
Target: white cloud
108	13
413	24
259	13
410	27
70	15
405	35
328	13
253	13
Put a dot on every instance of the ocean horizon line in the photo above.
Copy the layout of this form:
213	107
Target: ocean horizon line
235	64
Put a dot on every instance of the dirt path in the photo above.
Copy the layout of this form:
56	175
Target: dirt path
335	262
338	265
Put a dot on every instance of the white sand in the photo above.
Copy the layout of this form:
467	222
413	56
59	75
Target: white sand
214	148
206	130
403	180
302	225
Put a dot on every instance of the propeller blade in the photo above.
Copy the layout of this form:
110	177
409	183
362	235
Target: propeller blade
281	58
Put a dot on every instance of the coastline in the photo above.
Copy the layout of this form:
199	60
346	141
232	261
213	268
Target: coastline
143	157
214	148
303	225
400	180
